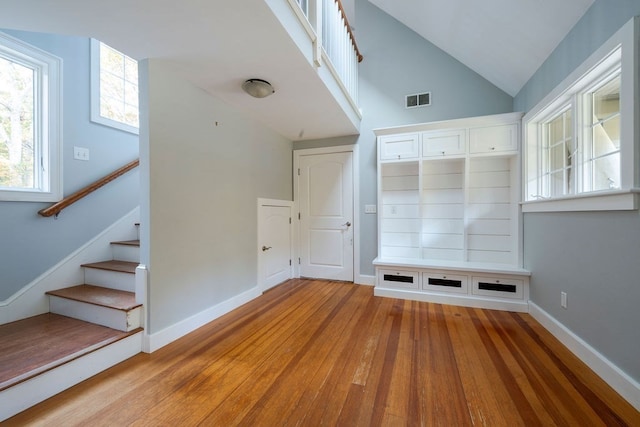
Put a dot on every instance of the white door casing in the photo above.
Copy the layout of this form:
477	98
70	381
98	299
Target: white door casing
325	203
275	242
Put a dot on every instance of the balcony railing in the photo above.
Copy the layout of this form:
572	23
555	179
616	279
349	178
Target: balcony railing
335	43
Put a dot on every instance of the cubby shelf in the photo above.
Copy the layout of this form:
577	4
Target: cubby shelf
448	196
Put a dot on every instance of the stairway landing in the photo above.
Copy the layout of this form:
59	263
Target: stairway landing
41	343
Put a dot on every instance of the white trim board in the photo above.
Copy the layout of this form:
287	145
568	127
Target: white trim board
274	202
618	200
626	386
474	267
460	300
365	279
166	336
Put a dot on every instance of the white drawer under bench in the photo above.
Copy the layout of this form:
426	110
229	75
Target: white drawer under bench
469	284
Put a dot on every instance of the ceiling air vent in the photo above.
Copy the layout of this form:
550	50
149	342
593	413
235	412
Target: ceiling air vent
418	100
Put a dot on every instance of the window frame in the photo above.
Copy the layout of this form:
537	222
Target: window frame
96	117
587	106
569	187
48	127
619	52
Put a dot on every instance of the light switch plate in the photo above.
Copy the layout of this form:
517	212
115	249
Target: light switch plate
370	209
81	153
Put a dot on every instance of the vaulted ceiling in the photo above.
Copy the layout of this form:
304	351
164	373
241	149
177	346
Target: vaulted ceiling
505	41
215	44
218	44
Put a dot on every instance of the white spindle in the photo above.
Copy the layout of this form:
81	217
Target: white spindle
304	6
335	38
338	32
343	51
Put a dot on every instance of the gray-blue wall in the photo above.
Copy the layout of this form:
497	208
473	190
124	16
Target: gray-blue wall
598	24
30	244
198	212
593	256
399	62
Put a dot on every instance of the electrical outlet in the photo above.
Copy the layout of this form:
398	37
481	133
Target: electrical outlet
81	153
563	299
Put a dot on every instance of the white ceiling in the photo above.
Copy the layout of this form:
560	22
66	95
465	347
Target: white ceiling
213	43
505	41
218	44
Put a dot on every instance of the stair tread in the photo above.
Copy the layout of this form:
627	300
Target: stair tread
127	243
114	265
97	295
38	344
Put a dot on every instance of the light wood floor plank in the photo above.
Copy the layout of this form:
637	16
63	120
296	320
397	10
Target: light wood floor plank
487	404
362	400
309	358
314	352
226	365
539	377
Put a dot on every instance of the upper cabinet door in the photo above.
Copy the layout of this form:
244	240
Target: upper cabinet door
494	139
444	143
399	147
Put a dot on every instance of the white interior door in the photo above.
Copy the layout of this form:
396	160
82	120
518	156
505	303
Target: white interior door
325	198
274	244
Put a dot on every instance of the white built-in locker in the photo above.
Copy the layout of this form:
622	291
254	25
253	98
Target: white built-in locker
448	213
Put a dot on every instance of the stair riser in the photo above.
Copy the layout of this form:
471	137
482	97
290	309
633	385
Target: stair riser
126	253
109	317
110	279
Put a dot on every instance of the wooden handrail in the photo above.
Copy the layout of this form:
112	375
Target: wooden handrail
351	36
56	208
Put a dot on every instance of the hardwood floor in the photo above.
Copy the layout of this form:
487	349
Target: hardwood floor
329	353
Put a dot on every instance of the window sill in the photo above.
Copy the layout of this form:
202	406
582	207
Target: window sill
617	200
29	196
114	124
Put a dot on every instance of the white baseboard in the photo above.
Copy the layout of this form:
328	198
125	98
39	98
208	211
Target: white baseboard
626	386
364	279
31	299
31	392
160	339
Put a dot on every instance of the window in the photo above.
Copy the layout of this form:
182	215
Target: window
602	139
558	156
30	111
577	139
114	88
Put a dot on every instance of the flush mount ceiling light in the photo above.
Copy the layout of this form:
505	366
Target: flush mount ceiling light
258	88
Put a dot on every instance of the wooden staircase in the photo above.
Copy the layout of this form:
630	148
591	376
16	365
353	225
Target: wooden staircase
107	297
103	306
91	327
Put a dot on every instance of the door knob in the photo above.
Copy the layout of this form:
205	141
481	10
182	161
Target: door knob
347	224
266	248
